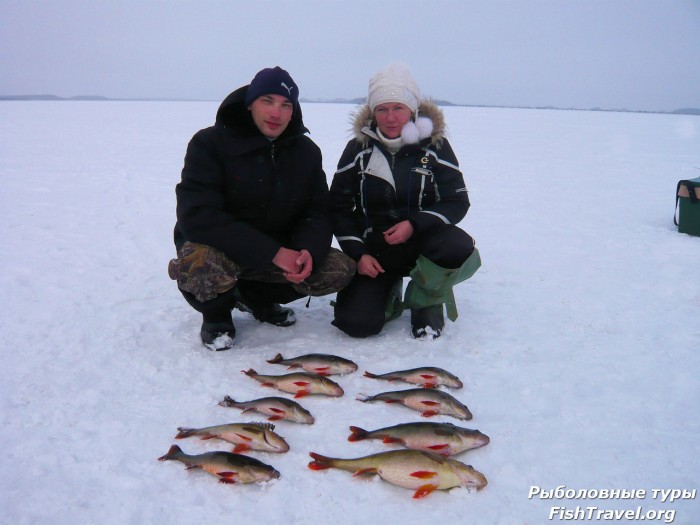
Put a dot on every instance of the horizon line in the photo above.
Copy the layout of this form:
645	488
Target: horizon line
357	101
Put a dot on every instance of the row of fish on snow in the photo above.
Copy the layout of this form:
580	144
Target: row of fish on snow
426	463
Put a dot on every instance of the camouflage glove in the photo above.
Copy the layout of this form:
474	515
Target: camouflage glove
203	271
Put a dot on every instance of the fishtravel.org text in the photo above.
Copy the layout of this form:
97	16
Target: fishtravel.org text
598	513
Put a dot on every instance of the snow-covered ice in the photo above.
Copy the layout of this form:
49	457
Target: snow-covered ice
578	340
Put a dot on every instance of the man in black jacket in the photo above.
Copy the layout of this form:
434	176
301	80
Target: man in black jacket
253	228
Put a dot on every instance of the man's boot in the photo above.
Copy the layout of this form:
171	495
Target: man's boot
265	312
217	335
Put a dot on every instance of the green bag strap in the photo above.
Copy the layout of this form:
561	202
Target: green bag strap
691	185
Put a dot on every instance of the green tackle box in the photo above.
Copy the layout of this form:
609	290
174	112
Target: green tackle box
688	206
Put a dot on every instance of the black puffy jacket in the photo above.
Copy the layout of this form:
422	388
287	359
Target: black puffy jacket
248	196
372	190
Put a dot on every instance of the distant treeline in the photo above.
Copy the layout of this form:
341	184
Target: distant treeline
51	97
356	101
362	100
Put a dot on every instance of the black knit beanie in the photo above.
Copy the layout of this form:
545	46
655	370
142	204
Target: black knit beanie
272	81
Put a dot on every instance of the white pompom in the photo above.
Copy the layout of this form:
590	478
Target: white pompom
425	127
409	133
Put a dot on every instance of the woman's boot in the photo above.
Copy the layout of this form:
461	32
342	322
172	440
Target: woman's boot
428	322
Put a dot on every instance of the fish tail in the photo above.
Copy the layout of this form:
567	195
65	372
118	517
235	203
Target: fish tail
185	432
358	434
363	397
173	453
250	372
320	462
228	402
370	374
275	359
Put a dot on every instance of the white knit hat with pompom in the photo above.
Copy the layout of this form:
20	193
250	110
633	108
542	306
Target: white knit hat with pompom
393	83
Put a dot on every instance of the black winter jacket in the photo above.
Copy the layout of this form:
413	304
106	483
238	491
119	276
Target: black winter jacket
248	196
373	190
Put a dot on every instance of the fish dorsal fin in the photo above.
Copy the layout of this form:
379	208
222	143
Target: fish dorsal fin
261	424
445	429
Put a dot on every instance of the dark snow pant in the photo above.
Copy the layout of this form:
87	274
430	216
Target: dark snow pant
269	286
360	307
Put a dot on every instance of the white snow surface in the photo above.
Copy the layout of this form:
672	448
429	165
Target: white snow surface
578	341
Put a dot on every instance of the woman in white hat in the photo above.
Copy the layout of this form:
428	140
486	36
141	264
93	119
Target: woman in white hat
396	198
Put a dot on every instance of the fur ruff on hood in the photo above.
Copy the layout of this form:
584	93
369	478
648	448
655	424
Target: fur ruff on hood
433	123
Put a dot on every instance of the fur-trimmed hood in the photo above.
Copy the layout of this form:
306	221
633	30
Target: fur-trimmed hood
430	123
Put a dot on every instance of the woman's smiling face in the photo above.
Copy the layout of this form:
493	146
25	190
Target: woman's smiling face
391	117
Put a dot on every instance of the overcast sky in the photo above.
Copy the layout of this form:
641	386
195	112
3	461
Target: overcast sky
612	54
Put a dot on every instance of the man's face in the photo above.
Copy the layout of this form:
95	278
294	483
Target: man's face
271	114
